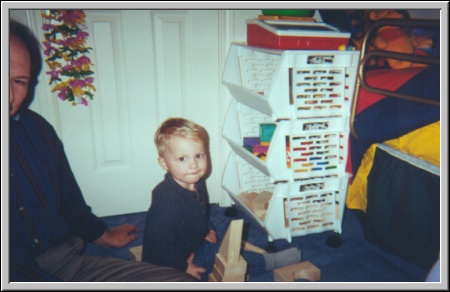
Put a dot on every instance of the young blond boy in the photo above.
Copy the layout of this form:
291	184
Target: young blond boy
177	230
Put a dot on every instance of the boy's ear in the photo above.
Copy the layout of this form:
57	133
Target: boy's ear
162	163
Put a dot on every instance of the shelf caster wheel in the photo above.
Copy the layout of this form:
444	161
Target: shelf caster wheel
231	211
271	248
334	240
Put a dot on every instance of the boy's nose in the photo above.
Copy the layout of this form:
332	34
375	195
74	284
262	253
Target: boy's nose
194	163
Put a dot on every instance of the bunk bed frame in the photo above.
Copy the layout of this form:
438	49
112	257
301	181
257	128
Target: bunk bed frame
367	55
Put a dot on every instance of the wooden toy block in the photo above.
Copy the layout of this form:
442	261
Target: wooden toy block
136	253
229	265
230	269
250	247
257	202
225	272
215	276
304	270
230	249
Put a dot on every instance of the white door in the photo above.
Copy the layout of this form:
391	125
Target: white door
149	65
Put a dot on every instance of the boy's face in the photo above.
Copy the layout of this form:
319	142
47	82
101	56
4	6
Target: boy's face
186	160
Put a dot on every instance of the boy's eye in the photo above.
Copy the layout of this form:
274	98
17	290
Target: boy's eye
199	155
182	159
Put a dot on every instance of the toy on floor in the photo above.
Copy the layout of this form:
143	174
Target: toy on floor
304	270
229	265
136	253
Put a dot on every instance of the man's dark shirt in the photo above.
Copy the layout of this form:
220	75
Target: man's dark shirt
46	205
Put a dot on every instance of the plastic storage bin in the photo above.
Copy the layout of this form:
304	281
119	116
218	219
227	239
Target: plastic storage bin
292	84
295	208
299	149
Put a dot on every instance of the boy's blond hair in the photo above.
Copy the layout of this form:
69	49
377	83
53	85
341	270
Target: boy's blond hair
179	127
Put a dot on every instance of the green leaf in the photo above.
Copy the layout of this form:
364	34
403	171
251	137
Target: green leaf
68	30
55	79
54	57
91	96
86	73
70	96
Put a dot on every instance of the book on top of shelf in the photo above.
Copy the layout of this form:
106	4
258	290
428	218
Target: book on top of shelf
295	35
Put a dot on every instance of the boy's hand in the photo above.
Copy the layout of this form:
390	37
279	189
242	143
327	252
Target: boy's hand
211	237
193	269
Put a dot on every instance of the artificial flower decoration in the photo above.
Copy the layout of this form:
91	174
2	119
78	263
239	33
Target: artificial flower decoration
65	51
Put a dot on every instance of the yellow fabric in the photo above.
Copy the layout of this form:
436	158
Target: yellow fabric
423	143
357	190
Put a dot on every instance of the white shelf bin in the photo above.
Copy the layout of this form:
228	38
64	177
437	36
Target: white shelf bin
241	177
316	205
292	84
295	209
316	146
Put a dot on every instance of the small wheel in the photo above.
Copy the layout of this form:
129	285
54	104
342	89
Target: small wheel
271	248
334	240
231	211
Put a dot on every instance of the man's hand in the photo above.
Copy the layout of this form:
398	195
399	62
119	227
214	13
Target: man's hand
118	236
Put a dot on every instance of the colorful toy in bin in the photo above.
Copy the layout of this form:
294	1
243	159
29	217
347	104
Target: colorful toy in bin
266	131
260	151
249	142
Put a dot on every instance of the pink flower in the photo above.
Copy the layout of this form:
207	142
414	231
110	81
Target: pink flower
84	60
89	80
77	83
48	49
81	35
73	16
53	74
48	26
84	101
68	67
69	42
63	93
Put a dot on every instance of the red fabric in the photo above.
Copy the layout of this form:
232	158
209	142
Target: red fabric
387	79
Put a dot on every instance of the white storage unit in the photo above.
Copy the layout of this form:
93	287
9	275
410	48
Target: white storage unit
307	95
292	84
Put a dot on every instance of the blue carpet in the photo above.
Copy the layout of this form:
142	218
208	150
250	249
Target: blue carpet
355	260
